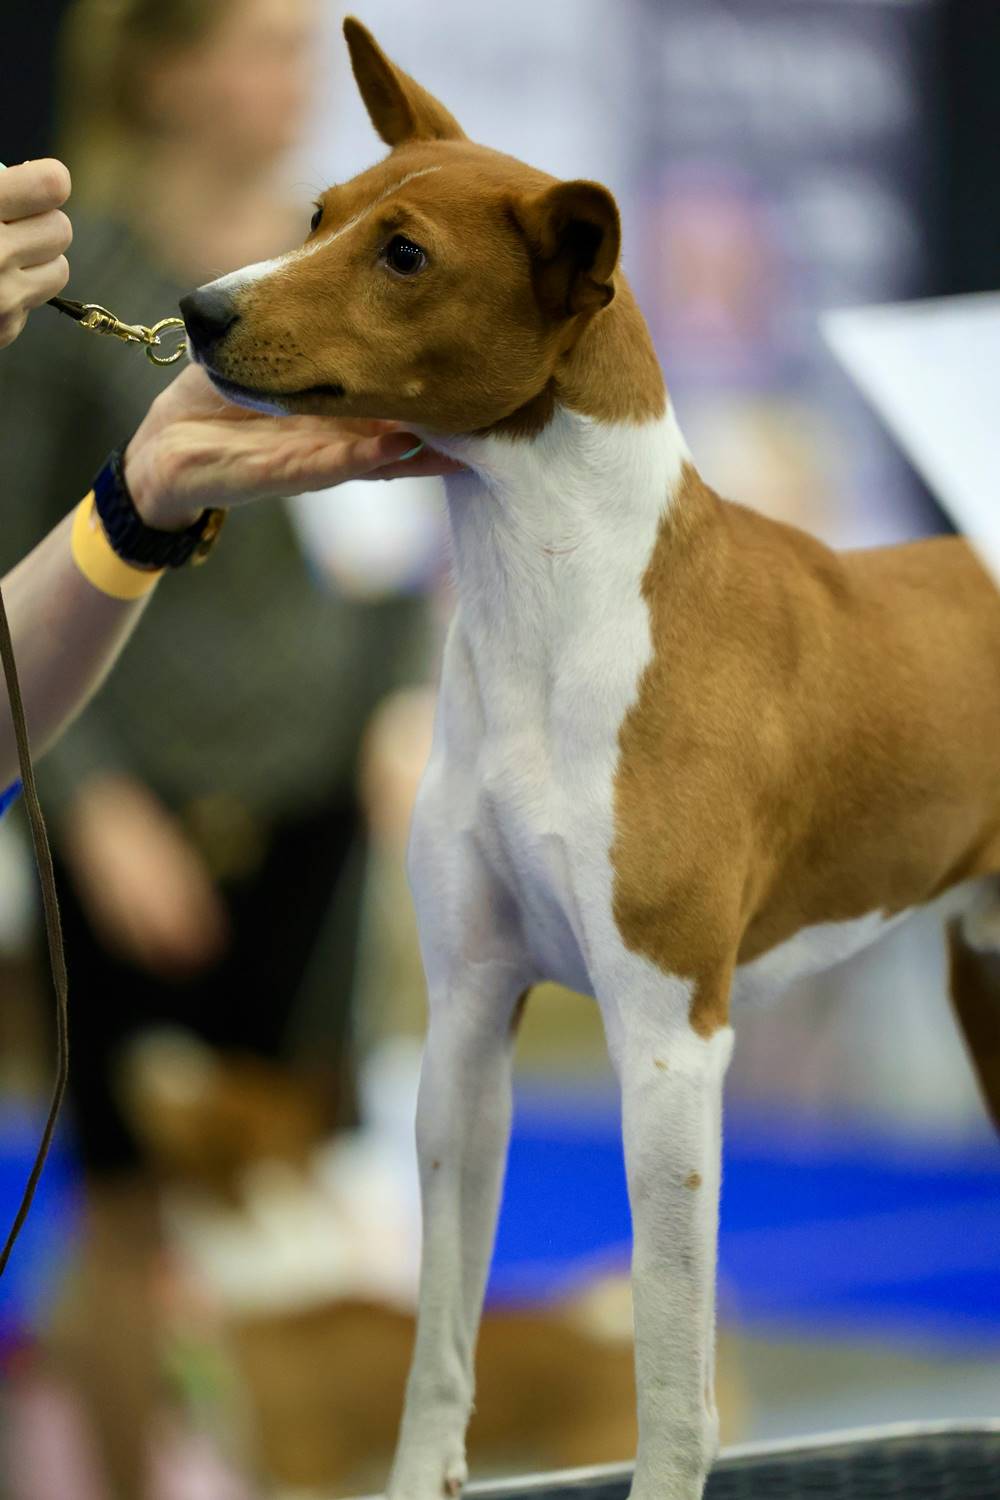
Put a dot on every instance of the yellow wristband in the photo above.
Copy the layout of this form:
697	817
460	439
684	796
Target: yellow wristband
99	562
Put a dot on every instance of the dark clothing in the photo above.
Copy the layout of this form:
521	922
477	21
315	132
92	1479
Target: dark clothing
240	1005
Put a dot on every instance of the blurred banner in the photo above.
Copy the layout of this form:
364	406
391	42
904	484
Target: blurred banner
787	165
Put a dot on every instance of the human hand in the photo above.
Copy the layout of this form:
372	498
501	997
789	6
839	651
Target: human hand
143	885
34	234
195	450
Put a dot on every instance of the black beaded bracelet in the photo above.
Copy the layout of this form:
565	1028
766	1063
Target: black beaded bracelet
138	544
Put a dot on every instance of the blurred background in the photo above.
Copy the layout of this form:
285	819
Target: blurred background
214	1293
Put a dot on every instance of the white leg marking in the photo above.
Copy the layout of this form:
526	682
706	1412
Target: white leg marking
475	974
463	1128
671	1082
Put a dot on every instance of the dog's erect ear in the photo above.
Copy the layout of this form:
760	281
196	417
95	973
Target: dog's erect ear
398	107
574	234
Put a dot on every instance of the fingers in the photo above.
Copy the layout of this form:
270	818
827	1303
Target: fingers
39	283
343	459
37	187
11	324
34	235
427	464
20	291
379	457
32	242
189	453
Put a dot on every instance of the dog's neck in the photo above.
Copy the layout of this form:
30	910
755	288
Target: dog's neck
580	485
548	529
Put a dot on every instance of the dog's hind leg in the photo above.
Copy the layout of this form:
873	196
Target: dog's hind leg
974	955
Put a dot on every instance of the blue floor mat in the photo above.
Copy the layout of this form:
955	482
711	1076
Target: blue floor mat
825	1230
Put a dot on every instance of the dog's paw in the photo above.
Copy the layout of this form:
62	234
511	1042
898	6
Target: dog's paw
455	1476
429	1477
668	1487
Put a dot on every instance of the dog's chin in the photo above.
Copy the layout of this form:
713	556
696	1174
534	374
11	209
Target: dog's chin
244	395
317	398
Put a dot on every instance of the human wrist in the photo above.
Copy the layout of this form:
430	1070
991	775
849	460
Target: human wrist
150	537
149	485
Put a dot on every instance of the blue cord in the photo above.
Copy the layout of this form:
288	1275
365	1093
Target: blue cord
10	796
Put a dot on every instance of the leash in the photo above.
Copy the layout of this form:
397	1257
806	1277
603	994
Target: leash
98	319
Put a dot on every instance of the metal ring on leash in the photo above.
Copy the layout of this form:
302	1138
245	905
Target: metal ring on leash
98	319
164	325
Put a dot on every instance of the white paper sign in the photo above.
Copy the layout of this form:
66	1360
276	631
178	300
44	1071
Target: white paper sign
932	371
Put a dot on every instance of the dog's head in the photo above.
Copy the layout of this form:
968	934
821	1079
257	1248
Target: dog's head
442	287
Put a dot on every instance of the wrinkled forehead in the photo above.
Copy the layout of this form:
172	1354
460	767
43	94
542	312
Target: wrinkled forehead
456	178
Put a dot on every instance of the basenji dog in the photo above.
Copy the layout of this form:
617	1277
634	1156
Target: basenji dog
684	754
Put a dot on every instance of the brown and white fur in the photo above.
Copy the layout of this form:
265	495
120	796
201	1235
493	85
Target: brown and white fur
684	754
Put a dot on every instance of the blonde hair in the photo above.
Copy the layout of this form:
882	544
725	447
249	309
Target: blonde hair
106	49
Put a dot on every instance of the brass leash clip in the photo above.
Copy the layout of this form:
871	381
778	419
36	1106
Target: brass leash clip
99	319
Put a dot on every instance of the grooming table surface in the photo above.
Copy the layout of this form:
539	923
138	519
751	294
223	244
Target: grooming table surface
927	1461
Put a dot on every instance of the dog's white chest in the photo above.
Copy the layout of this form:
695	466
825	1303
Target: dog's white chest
542	664
528	837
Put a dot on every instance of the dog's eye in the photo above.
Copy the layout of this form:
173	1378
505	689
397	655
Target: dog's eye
404	257
317	218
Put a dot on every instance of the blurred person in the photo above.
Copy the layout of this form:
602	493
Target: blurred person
205	807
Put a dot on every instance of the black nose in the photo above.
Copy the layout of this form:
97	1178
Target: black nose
208	315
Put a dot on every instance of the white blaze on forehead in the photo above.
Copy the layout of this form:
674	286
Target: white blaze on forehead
261	269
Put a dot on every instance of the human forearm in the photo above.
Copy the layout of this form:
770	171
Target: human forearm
66	636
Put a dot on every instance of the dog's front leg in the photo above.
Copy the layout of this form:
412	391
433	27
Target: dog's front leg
463	1127
671	1082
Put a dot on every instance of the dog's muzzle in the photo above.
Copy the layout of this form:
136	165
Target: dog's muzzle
208	316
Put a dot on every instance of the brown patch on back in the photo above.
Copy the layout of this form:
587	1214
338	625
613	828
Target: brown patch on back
693	1180
814	738
975	993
